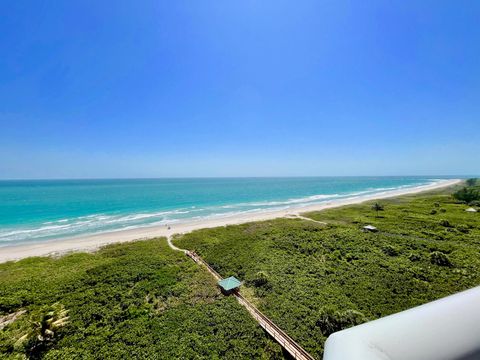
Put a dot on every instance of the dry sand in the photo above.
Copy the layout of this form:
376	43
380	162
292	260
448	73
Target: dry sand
93	242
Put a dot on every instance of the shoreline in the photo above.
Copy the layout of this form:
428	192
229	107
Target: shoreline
88	243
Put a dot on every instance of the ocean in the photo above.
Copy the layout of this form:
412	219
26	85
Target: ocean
40	210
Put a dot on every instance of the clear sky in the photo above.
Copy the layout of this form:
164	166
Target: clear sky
239	88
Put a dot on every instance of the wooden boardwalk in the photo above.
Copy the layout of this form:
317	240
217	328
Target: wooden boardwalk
295	350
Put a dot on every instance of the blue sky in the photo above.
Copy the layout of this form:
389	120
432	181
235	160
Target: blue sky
239	88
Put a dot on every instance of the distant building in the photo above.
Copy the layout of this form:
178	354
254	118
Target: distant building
370	228
471	210
229	285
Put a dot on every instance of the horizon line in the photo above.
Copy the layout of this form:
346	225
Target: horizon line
460	176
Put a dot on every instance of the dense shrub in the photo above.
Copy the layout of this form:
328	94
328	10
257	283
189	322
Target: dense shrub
472	182
390	250
128	301
261	279
331	320
414	257
312	266
439	258
467	195
445	223
419	273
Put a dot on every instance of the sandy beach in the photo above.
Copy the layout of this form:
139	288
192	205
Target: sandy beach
92	242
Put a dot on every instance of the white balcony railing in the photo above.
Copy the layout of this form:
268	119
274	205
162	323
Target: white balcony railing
446	329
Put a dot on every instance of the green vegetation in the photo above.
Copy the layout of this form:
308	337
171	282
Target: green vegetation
314	279
377	207
331	320
469	194
472	182
41	333
128	301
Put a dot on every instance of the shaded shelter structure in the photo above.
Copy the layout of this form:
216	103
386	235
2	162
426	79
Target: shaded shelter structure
229	285
370	228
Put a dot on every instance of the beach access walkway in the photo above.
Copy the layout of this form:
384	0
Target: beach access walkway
299	216
295	350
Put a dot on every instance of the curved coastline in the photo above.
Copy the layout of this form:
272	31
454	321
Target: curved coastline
94	241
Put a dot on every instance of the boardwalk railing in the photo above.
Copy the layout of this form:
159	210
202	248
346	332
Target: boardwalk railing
295	350
278	334
200	261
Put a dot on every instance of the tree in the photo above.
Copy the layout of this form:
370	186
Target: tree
377	207
471	182
43	328
467	195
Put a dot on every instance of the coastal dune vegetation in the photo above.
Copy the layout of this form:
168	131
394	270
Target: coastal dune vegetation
139	300
470	193
312	276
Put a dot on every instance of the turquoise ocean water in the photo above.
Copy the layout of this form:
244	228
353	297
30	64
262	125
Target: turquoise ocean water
33	211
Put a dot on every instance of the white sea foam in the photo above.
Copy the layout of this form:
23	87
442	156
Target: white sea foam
308	199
